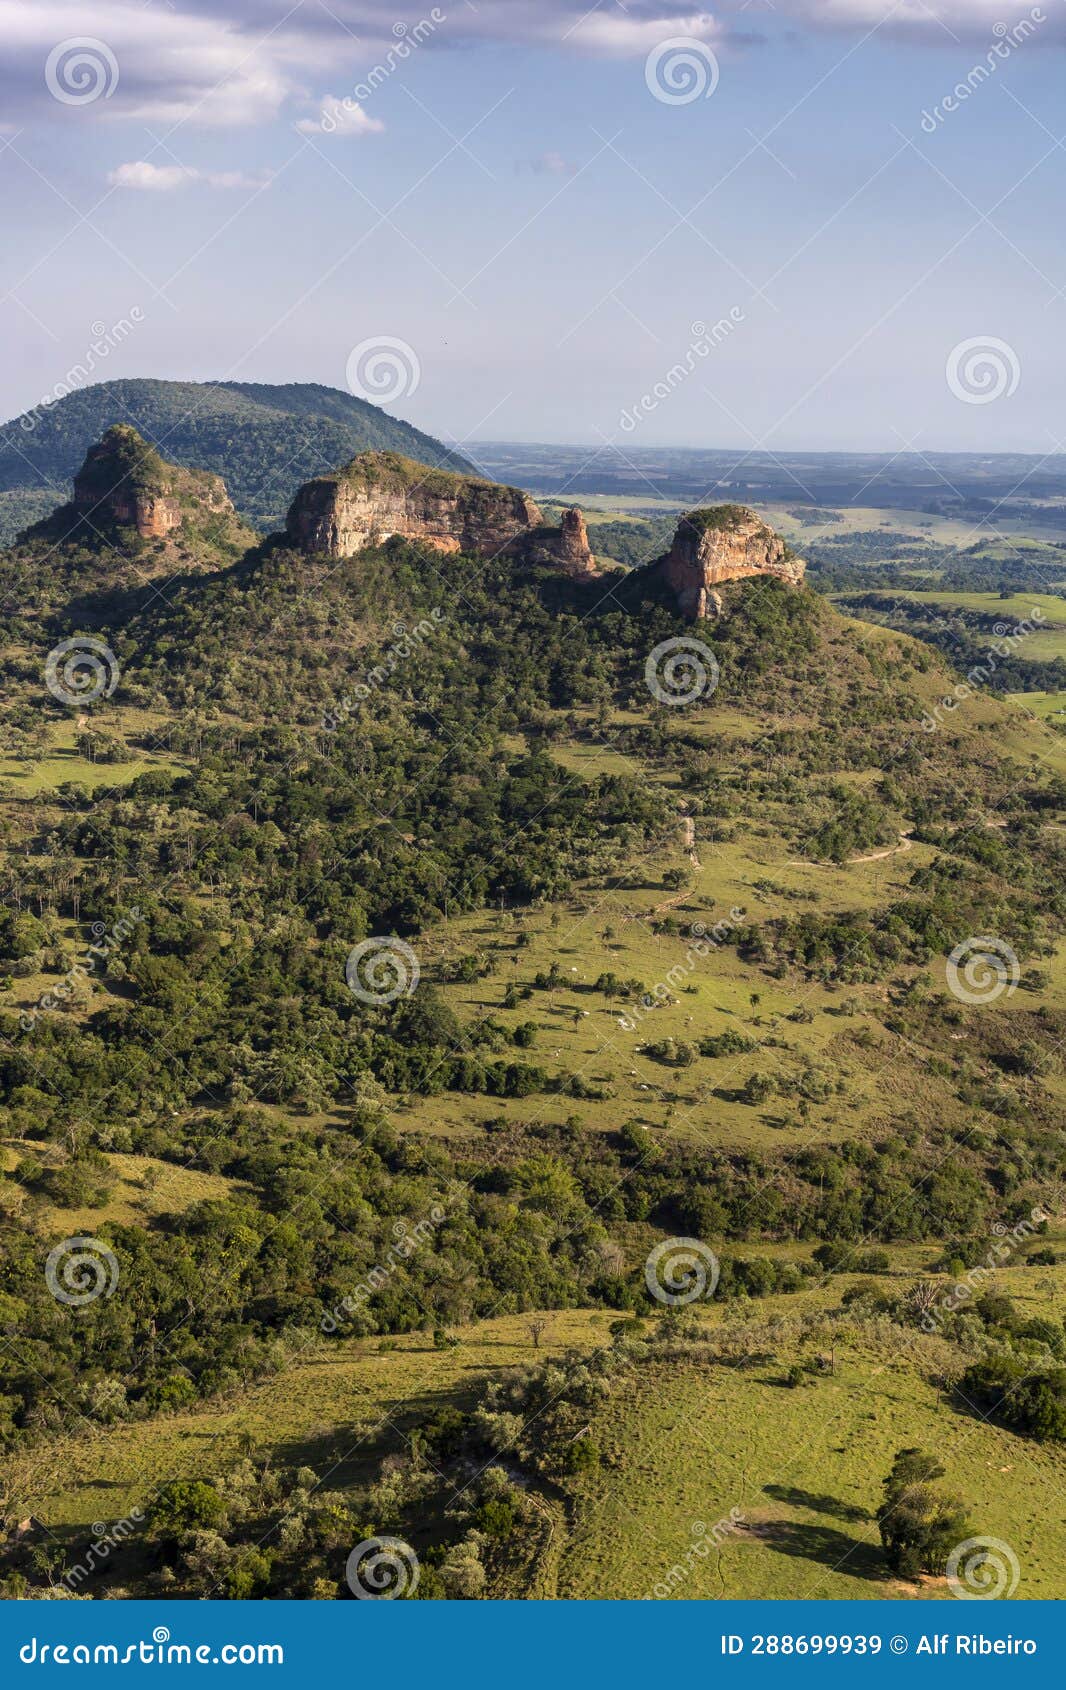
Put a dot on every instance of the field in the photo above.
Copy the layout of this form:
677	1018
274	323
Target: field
58	761
1042	704
804	1467
683	1444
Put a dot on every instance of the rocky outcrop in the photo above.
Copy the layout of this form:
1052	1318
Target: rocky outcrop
380	494
723	543
574	553
126	483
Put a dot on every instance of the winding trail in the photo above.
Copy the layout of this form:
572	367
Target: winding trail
905	844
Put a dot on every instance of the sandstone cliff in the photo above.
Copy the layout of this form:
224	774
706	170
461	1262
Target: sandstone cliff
723	543
124	482
133	517
380	494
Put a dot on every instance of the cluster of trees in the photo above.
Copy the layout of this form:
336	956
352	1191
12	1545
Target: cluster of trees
306	1243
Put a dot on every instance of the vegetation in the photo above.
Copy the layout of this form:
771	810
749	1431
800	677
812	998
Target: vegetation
680	974
263	440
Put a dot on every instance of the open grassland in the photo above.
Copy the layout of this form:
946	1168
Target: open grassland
141	1188
577	1030
57	759
1017	607
1042	612
1046	705
681	1442
684	1444
707	991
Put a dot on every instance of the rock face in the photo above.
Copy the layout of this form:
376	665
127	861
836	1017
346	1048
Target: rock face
380	494
125	482
723	543
575	555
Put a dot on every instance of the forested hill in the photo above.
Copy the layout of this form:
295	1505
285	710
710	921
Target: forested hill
397	945
263	440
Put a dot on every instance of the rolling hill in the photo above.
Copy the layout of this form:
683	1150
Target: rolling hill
262	439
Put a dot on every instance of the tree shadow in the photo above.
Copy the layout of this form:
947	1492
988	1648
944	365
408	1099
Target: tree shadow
824	1544
817	1502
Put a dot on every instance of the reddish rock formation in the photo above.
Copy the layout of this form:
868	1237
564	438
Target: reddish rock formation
380	494
574	552
124	481
723	543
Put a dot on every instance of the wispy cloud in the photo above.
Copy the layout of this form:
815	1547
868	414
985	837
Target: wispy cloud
241	61
141	174
548	164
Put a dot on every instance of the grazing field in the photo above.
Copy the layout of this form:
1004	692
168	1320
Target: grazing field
1046	705
689	1443
55	759
1017	607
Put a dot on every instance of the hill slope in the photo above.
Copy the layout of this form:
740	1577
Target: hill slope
262	439
433	913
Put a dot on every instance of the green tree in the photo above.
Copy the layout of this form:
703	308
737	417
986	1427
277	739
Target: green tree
919	1524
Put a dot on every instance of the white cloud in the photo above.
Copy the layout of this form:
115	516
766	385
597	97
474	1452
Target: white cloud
170	65
237	179
164	178
624	35
933	23
155	178
241	61
340	117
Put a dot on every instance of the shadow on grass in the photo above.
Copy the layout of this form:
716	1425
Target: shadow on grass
824	1544
816	1502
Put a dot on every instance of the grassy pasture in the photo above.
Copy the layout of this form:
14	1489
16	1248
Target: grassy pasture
688	1443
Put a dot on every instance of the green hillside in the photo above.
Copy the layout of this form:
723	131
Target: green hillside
263	440
446	973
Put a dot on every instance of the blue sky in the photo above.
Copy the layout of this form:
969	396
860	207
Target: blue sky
515	203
